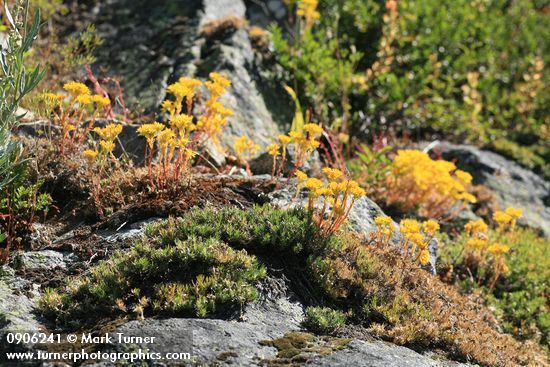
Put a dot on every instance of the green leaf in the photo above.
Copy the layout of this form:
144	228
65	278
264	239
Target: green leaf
298	121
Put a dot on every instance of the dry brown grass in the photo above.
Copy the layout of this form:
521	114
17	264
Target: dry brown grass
223	25
406	305
259	37
125	187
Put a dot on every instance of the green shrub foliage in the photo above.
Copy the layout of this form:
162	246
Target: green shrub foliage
475	70
324	320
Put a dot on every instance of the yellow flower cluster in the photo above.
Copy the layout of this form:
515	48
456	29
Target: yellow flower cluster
431	227
168	140
498	249
385	228
76	89
245	148
476	226
217	86
477	232
307	9
177	144
150	131
109	132
479	242
508	217
71	117
183	89
214	119
91	155
108	135
414	236
434	186
53	98
339	193
304	143
273	150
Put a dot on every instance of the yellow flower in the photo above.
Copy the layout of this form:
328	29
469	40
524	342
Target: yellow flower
336	187
414	172
501	218
424	257
166	138
514	212
100	100
385	225
109	132
409	226
149	131
182	122
498	249
212	126
216	90
430	227
284	139
69	127
418	239
245	147
168	106
312	144
190	154
504	268
324	191
76	89
356	191
84	99
189	83
313	184
476	226
467	197
332	173
313	129
464	177
182	142
220	109
273	150
298	138
107	146
476	242
217	86
218	79
90	155
179	90
308	10
53	98
382	221
301	176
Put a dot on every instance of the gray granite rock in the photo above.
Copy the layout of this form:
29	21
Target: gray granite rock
45	259
16	310
377	354
265	13
512	184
